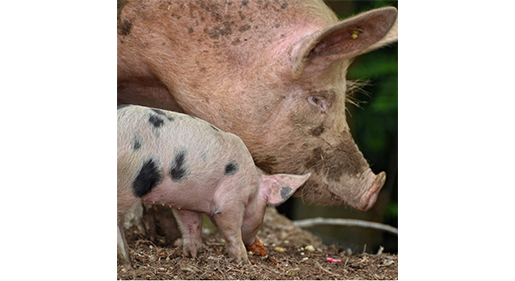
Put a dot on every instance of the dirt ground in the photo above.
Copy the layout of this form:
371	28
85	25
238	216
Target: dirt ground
289	257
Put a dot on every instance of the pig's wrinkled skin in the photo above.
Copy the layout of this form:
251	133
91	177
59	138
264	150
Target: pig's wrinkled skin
271	72
187	164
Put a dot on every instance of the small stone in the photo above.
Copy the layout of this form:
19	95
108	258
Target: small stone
310	248
279	249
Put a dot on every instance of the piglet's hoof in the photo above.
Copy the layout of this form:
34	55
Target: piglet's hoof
257	248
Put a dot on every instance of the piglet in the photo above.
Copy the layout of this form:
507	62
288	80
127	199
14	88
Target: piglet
191	166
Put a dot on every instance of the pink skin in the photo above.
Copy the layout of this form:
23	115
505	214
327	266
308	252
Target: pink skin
217	177
271	73
237	222
237	218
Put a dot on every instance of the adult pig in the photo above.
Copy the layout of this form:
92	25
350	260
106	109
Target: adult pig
271	72
189	165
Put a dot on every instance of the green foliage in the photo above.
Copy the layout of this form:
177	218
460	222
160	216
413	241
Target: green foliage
376	124
392	210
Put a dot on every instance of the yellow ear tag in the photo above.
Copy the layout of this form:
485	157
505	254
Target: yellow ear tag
355	32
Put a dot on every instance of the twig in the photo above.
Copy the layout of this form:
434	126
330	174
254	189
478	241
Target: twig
345	222
334	274
221	271
142	241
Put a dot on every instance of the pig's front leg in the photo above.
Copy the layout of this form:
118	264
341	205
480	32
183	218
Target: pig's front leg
190	224
229	222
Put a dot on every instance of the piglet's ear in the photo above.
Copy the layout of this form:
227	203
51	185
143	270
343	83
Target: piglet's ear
280	187
347	39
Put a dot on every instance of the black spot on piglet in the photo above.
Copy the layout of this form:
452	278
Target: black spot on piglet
156	121
232	168
285	192
137	145
148	177
179	169
137	141
160	112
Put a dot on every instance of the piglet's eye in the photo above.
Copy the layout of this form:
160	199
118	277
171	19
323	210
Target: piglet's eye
318	101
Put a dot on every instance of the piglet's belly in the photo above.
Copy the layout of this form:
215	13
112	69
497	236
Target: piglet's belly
180	197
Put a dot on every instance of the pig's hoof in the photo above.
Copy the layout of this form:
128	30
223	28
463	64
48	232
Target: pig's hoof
244	260
190	255
127	266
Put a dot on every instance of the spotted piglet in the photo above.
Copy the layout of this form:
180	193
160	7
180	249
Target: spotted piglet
191	166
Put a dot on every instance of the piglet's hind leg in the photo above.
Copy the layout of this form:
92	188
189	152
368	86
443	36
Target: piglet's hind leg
190	224
123	249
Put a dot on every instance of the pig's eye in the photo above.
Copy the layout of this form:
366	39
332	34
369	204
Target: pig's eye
318	101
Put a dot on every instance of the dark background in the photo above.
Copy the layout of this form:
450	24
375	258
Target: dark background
373	125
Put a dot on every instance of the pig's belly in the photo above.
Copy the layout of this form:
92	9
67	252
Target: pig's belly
183	196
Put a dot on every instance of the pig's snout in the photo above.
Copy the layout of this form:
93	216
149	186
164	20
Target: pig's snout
369	198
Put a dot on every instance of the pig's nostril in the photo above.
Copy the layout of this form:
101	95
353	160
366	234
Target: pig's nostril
372	201
380	180
371	196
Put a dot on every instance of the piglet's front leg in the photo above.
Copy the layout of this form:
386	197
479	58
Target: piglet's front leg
229	223
190	224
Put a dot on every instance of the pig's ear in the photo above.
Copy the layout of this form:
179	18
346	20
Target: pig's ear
278	188
345	40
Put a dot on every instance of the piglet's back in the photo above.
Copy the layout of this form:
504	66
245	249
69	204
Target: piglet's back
185	146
